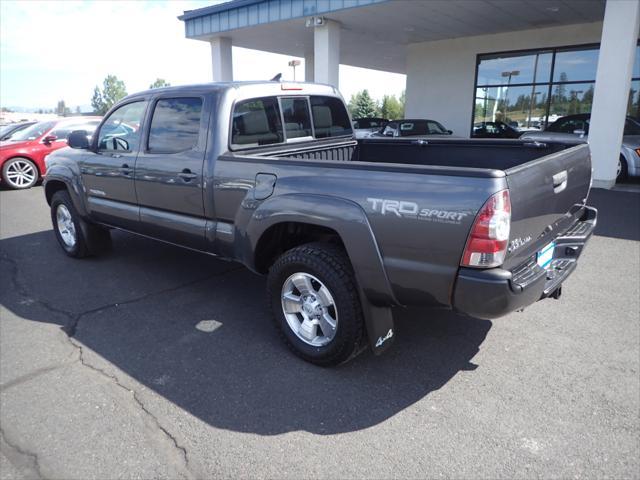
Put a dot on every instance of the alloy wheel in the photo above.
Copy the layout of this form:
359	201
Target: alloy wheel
21	173
66	227
309	309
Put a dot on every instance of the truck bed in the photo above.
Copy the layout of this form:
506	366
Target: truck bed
481	154
549	182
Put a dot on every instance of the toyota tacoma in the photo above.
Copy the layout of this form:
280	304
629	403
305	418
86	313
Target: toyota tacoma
347	231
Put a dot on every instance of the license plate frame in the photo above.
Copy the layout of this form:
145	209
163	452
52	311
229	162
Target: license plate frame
544	257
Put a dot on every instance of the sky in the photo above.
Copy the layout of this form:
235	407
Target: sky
60	50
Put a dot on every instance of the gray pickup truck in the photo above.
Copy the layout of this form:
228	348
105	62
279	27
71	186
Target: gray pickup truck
269	174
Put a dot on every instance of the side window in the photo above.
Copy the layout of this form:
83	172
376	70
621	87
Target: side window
569	125
175	125
121	131
330	117
256	122
295	112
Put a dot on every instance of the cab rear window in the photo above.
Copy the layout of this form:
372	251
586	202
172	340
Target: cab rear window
273	120
256	122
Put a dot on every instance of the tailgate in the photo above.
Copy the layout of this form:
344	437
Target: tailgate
547	197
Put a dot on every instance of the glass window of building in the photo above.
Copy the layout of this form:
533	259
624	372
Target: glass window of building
530	90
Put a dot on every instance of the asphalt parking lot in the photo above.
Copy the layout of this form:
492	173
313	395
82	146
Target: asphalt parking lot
157	362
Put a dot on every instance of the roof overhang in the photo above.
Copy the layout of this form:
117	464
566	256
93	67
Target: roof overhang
375	32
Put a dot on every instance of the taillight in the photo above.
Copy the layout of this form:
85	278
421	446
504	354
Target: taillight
489	236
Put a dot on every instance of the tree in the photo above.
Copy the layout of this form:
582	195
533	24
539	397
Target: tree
159	83
362	105
78	110
112	91
391	108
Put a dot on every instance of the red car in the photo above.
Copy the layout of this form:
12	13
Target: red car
22	156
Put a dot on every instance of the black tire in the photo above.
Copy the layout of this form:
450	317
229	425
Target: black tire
624	170
330	265
16	172
89	239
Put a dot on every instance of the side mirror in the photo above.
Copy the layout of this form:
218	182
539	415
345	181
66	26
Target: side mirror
49	139
78	139
388	134
579	132
449	132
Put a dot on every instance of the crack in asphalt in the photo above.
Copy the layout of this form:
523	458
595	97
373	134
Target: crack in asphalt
29	457
70	328
183	451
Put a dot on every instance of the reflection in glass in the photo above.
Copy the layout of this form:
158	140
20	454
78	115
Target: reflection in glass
633	106
519	107
530	68
175	125
576	65
570	99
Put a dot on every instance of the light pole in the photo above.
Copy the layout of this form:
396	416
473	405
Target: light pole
509	74
531	106
293	64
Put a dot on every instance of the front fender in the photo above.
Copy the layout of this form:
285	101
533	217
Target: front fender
350	222
59	172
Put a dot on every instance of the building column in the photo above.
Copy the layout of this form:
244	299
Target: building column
326	51
309	66
613	81
221	59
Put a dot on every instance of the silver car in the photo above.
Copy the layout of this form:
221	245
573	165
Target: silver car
573	126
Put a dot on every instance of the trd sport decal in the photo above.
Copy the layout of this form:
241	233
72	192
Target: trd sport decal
402	208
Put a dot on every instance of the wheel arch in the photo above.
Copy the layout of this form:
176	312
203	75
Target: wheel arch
53	186
283	236
311	218
337	220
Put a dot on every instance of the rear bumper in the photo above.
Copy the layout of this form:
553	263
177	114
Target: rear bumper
495	292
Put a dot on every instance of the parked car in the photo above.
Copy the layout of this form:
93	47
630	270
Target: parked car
22	156
346	230
412	128
7	130
494	130
363	127
577	126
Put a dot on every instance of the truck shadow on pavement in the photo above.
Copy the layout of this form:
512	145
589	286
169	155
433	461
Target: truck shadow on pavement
197	331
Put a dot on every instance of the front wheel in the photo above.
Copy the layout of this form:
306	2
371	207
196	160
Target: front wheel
20	173
315	303
77	238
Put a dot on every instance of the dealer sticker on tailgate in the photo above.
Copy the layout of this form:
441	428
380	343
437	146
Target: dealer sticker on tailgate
546	255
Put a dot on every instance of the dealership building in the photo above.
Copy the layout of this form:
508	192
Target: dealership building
524	62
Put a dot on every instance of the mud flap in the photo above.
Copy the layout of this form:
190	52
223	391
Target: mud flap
379	324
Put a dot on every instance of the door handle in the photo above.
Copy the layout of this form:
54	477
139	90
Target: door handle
115	155
187	175
125	169
560	181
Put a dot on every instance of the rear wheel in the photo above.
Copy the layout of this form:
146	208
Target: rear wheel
623	170
20	173
77	238
315	303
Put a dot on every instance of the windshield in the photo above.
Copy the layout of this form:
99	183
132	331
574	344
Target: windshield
33	132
